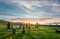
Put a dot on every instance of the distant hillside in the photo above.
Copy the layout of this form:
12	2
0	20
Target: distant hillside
3	22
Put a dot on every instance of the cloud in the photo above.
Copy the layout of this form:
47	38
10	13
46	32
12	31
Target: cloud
31	8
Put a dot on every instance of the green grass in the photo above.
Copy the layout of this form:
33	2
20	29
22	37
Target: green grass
43	32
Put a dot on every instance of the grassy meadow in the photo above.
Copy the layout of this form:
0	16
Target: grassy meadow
43	32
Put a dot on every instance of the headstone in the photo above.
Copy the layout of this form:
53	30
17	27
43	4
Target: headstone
50	24
58	30
20	26
56	25
23	29
36	25
13	31
17	26
26	25
29	26
8	25
11	25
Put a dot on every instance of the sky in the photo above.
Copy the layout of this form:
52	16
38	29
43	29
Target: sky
29	9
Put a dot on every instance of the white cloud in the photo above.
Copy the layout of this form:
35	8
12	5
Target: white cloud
27	6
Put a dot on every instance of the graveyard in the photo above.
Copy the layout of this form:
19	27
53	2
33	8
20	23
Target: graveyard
28	31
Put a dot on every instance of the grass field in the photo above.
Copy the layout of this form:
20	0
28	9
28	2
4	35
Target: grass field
43	32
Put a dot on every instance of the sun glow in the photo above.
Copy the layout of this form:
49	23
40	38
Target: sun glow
27	21
48	21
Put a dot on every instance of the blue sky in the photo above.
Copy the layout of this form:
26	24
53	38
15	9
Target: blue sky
29	9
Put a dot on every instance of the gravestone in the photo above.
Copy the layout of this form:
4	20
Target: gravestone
20	25
13	31
17	25
36	25
29	26
50	24
8	25
26	25
58	30
23	29
56	25
11	25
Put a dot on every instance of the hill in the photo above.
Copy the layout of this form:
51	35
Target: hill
3	22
